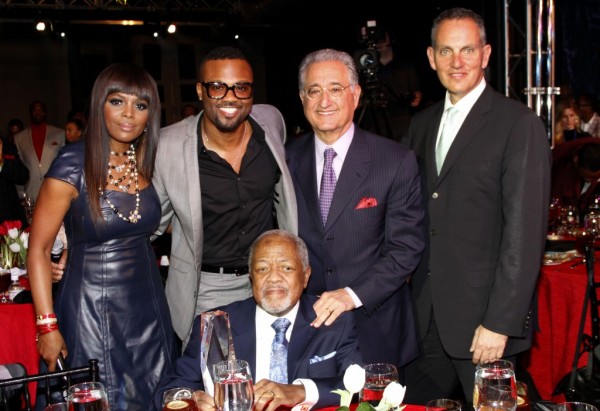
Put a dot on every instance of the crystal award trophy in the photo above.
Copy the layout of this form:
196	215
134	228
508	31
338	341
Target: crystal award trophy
216	344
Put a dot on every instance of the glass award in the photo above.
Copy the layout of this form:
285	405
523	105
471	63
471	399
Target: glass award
216	344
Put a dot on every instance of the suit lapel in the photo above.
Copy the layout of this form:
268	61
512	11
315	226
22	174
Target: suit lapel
354	170
306	176
301	334
191	188
432	133
243	331
474	121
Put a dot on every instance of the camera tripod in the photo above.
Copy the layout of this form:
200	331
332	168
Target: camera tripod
374	116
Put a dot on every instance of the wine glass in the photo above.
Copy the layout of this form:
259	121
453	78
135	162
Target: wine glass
443	404
180	399
233	386
377	377
87	396
575	406
495	386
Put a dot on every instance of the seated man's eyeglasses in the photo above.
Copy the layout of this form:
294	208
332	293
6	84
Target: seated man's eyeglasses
316	92
218	90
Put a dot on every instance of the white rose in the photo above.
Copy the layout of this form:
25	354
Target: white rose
25	240
354	378
393	395
13	233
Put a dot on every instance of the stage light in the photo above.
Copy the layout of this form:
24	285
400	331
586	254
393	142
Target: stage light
40	25
172	28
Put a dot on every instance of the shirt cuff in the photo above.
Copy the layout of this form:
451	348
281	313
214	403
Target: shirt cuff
354	297
311	397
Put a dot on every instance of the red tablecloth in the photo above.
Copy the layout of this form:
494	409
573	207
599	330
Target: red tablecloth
353	406
561	295
17	339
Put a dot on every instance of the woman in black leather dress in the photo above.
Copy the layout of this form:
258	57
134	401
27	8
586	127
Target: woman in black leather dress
110	304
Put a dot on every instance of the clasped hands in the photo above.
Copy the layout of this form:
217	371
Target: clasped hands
268	396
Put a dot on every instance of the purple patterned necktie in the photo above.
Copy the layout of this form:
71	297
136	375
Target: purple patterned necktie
327	184
278	366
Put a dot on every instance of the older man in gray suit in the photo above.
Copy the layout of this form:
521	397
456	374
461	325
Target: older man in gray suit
222	180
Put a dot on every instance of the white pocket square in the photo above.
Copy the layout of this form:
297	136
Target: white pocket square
316	358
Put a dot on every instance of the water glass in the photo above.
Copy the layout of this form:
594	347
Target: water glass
87	396
233	386
377	377
575	406
495	387
443	404
180	398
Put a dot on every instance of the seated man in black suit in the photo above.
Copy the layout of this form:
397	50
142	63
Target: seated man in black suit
317	357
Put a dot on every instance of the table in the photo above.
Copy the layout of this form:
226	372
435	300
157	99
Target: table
561	295
17	339
408	407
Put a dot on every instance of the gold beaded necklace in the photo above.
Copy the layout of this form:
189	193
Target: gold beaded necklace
132	172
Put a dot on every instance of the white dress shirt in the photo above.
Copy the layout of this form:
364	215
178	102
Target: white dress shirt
264	339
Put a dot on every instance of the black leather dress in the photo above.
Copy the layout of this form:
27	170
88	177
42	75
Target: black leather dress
111	303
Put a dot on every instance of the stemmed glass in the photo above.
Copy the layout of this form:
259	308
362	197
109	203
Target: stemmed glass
575	406
233	386
180	399
87	396
443	404
495	386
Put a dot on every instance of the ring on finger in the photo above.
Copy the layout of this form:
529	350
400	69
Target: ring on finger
272	393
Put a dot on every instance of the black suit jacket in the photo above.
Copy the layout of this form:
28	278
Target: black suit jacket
373	250
13	172
487	217
307	347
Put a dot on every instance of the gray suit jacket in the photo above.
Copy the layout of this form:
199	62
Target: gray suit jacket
177	182
55	139
487	216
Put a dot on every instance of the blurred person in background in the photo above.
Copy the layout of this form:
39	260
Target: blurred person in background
12	172
73	130
38	145
588	110
568	123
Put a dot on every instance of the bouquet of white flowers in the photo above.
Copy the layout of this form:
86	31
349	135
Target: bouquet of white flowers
13	244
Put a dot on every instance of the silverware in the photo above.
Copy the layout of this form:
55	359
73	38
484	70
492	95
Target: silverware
577	263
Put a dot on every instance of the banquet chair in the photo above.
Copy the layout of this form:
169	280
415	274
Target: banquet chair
21	381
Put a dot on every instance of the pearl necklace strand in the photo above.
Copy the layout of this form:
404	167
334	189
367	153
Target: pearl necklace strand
132	172
239	152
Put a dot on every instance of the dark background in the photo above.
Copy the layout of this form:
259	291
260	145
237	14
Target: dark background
276	34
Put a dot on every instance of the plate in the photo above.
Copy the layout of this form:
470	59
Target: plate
559	257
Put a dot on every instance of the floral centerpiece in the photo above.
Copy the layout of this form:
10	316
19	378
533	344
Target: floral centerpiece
354	381
13	244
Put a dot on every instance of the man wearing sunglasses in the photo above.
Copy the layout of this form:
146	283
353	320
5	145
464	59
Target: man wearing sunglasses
222	180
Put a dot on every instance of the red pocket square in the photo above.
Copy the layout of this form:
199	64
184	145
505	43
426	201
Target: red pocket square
366	202
9	157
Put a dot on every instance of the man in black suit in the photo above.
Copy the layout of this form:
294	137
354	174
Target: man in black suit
317	357
364	250
12	172
487	214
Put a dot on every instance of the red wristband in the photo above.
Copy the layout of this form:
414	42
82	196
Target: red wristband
46	328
